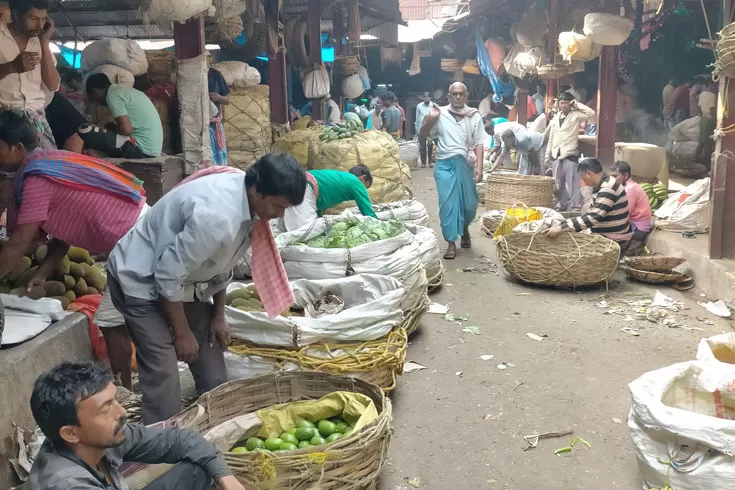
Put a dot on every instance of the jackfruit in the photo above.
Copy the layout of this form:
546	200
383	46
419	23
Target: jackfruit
36	292
71	296
40	253
54	288
63	266
76	271
95	278
64	301
13	275
239	302
237	293
22	281
81	287
78	255
69	282
91	290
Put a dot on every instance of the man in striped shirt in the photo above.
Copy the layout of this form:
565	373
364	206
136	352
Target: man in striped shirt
609	214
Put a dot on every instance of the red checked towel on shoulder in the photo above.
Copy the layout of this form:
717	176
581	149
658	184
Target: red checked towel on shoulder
267	269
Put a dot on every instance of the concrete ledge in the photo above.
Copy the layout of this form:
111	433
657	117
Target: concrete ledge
715	278
67	340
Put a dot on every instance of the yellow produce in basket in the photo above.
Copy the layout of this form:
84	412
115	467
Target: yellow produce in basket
514	216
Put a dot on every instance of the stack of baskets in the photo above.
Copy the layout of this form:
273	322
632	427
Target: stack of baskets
504	190
725	50
569	260
355	461
346	65
654	269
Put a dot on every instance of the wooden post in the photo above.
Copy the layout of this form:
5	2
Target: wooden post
276	67
551	48
338	21
315	48
722	228
606	105
189	38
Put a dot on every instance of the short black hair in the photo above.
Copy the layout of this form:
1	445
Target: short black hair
16	128
20	7
388	97
362	170
97	81
566	96
622	167
508	133
590	165
57	393
278	174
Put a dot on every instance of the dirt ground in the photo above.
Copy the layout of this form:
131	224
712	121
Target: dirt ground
460	423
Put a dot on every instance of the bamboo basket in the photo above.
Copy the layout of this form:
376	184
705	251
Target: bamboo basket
568	260
504	190
725	51
161	64
650	277
346	65
553	72
378	362
354	461
451	65
654	263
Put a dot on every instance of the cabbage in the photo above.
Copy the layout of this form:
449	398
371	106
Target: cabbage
353	233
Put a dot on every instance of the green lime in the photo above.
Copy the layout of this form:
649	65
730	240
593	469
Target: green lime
305	433
239	450
304	444
348	431
342	427
292	431
327	428
289	438
287	446
334	437
306	423
273	443
254	443
317	441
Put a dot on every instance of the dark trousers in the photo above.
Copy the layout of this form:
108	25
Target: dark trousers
426	148
183	475
109	143
156	356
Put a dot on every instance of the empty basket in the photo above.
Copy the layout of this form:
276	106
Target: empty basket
505	190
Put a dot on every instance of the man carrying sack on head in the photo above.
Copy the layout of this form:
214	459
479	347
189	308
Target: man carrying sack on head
459	159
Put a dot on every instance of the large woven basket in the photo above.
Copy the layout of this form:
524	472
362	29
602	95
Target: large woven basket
654	263
654	277
504	190
354	461
568	260
377	361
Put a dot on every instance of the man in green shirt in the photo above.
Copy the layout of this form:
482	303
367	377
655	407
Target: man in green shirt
326	189
137	132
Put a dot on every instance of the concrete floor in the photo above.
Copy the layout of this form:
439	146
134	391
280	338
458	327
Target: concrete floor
466	431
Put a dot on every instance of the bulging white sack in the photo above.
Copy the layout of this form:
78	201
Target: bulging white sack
429	249
117	75
238	74
687	210
175	10
718	348
124	53
408	212
372	308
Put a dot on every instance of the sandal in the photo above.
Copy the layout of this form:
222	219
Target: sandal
466	241
451	252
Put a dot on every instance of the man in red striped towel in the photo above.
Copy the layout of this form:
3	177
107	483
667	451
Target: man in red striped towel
180	255
78	200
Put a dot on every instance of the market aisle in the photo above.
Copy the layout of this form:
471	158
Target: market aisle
466	430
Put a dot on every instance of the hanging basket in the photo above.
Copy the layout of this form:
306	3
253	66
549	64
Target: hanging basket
568	260
346	65
607	29
451	65
725	51
505	190
553	72
471	67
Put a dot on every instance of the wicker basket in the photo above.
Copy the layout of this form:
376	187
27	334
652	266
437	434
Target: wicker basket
553	72
377	361
161	64
346	65
568	260
654	263
354	461
504	190
654	277
451	65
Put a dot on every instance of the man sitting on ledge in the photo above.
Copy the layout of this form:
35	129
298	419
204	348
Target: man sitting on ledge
88	439
609	214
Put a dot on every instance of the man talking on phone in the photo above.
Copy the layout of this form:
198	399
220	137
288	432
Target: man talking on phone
28	76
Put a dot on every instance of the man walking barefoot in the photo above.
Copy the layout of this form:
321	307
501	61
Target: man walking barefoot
459	158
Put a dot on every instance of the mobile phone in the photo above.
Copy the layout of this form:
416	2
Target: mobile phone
47	25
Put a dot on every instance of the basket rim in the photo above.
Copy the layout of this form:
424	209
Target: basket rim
663	277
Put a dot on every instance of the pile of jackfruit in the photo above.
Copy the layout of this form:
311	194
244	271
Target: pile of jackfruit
76	275
248	299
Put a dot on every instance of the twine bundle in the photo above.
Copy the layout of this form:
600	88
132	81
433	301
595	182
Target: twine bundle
222	31
725	51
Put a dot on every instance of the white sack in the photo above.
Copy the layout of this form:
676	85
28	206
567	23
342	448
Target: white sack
398	257
352	86
194	104
124	53
687	130
226	9
685	151
372	309
175	10
363	73
429	249
238	74
510	58
316	84
671	417
687	210
408	212
607	29
718	348
531	29
408	151
246	367
116	75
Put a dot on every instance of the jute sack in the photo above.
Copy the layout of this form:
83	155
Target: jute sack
174	10
124	53
248	125
377	150
297	143
398	257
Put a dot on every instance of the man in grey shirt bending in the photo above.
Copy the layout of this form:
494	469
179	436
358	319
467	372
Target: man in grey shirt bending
88	439
179	256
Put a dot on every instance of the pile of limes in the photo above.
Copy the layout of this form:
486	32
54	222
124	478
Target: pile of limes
306	434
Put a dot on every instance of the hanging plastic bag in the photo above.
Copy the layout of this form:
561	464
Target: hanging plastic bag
500	88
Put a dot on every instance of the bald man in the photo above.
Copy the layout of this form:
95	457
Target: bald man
459	158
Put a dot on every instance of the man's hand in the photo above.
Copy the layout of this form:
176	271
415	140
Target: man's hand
36	280
26	61
555	231
187	347
229	483
219	332
48	31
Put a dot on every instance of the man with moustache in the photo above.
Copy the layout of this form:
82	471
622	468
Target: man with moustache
88	439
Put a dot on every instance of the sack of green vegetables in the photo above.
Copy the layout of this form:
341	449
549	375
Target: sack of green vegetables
354	247
282	431
407	212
